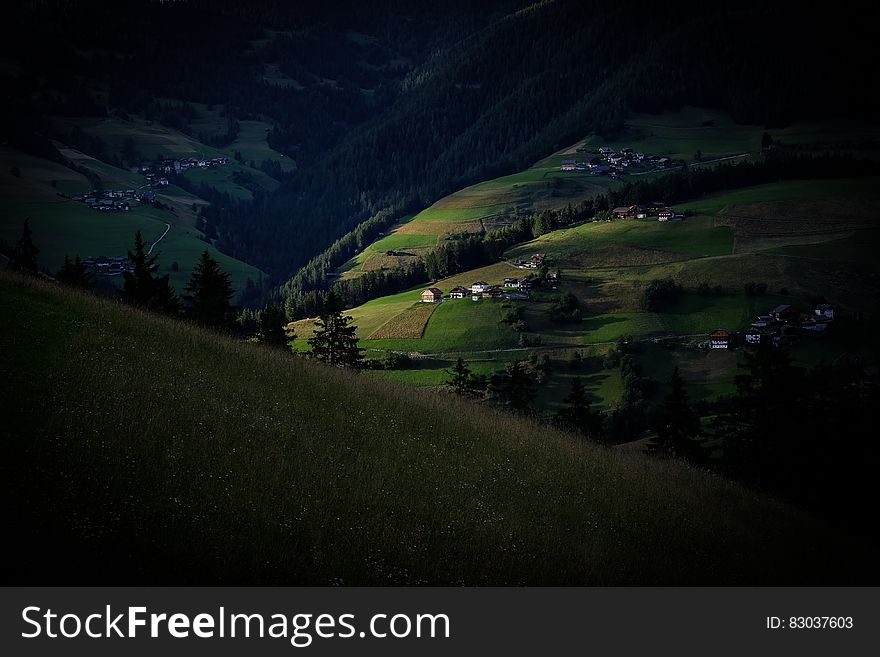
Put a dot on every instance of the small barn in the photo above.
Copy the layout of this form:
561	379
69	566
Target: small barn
458	292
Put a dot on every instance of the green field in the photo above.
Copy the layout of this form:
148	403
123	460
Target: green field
458	325
789	190
620	242
680	134
154	451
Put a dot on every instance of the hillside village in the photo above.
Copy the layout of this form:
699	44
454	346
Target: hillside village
608	163
120	200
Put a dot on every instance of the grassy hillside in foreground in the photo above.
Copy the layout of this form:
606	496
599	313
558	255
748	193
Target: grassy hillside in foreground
141	449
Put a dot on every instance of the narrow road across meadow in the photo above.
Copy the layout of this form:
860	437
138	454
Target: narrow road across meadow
167	228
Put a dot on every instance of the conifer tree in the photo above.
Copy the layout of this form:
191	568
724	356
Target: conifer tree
460	380
677	424
142	287
209	294
24	257
578	413
74	273
335	341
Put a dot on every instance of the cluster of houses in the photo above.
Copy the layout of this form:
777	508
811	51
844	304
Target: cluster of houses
514	289
108	200
662	212
114	200
108	266
151	170
534	262
608	163
782	325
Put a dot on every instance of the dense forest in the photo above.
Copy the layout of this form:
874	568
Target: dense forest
385	111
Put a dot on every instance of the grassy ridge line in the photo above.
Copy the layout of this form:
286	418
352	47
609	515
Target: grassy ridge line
155	451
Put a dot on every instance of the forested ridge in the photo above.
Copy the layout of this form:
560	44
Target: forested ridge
398	106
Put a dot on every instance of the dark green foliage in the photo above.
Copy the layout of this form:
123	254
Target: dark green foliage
460	378
677	424
808	435
659	294
392	360
141	287
209	295
335	341
74	273
762	419
273	329
24	256
513	388
566	310
578	414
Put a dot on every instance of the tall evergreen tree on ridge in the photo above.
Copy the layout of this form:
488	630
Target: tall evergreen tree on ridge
24	258
142	287
578	412
335	341
209	294
678	426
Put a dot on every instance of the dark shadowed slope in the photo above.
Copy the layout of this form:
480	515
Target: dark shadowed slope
139	449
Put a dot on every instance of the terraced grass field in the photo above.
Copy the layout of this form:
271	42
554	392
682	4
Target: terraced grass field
410	324
458	325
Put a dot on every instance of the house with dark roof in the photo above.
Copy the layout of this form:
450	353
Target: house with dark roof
720	338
